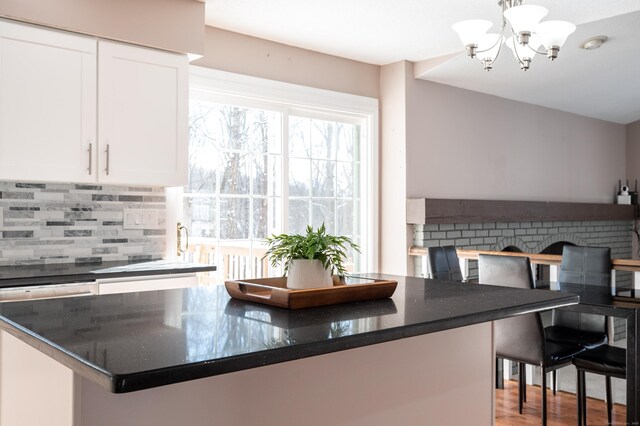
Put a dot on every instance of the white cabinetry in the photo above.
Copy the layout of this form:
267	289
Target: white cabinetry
47	104
142	105
78	109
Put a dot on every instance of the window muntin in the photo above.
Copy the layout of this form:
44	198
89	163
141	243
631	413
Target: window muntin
247	174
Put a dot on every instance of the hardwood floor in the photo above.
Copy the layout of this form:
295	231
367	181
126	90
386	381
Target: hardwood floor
561	408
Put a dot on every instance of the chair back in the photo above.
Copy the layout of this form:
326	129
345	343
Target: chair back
520	338
589	266
444	263
586	265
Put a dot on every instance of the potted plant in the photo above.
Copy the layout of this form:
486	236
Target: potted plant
310	260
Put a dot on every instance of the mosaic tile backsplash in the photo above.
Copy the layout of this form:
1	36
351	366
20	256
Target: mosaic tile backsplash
67	223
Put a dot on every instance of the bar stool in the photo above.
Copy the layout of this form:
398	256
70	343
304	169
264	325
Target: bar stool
605	360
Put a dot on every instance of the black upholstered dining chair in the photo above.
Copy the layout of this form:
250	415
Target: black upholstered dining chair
588	266
605	360
522	339
444	263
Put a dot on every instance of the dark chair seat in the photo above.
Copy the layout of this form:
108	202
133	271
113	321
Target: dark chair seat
584	338
560	353
606	360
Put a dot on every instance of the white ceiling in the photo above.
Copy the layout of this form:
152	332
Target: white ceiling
603	83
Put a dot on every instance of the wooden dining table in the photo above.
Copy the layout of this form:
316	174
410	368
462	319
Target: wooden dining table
620	303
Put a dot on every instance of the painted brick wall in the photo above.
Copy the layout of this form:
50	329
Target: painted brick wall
60	223
531	237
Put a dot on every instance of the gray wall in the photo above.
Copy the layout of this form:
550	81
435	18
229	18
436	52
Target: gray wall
243	54
176	25
633	167
458	144
469	145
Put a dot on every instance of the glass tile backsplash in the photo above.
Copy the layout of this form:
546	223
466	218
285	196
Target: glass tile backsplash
61	223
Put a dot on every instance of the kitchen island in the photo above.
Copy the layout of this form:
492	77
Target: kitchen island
195	356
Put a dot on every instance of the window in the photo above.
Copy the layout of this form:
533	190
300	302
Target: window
324	175
260	165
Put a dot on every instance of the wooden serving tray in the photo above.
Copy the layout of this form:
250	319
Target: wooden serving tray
274	292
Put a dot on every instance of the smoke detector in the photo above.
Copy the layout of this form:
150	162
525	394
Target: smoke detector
594	42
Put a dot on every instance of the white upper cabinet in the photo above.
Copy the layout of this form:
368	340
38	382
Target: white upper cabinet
78	109
142	115
47	105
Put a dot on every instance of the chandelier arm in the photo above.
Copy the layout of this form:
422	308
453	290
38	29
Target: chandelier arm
498	52
536	50
499	40
513	39
486	50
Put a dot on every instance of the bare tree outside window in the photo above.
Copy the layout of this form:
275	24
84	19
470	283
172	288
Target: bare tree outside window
324	175
234	196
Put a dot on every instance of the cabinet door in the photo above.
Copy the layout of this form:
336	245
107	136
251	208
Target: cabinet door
47	104
142	121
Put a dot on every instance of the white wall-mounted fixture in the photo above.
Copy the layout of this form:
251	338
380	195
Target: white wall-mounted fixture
525	35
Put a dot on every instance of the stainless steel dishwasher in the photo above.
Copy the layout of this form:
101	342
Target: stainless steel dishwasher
52	291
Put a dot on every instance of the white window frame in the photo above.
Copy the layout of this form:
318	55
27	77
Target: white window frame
295	99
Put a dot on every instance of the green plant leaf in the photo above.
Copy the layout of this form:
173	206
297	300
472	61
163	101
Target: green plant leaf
331	250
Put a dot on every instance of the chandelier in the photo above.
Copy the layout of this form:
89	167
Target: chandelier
525	36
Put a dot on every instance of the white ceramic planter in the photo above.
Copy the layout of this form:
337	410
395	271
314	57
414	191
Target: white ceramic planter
305	273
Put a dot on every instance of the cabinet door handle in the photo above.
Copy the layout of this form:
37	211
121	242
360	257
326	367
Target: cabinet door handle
106	169
90	158
181	228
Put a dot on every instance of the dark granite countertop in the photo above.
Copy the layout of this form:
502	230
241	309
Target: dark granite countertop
58	273
133	341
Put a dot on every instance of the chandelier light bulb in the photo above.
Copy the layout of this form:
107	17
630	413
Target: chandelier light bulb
470	32
524	19
553	34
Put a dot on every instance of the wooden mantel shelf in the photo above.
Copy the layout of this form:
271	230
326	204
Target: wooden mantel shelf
432	210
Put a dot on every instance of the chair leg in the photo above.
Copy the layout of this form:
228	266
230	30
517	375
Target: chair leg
554	381
544	397
609	397
521	386
583	378
579	397
524	383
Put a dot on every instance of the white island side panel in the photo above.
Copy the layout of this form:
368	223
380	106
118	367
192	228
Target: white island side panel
443	378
